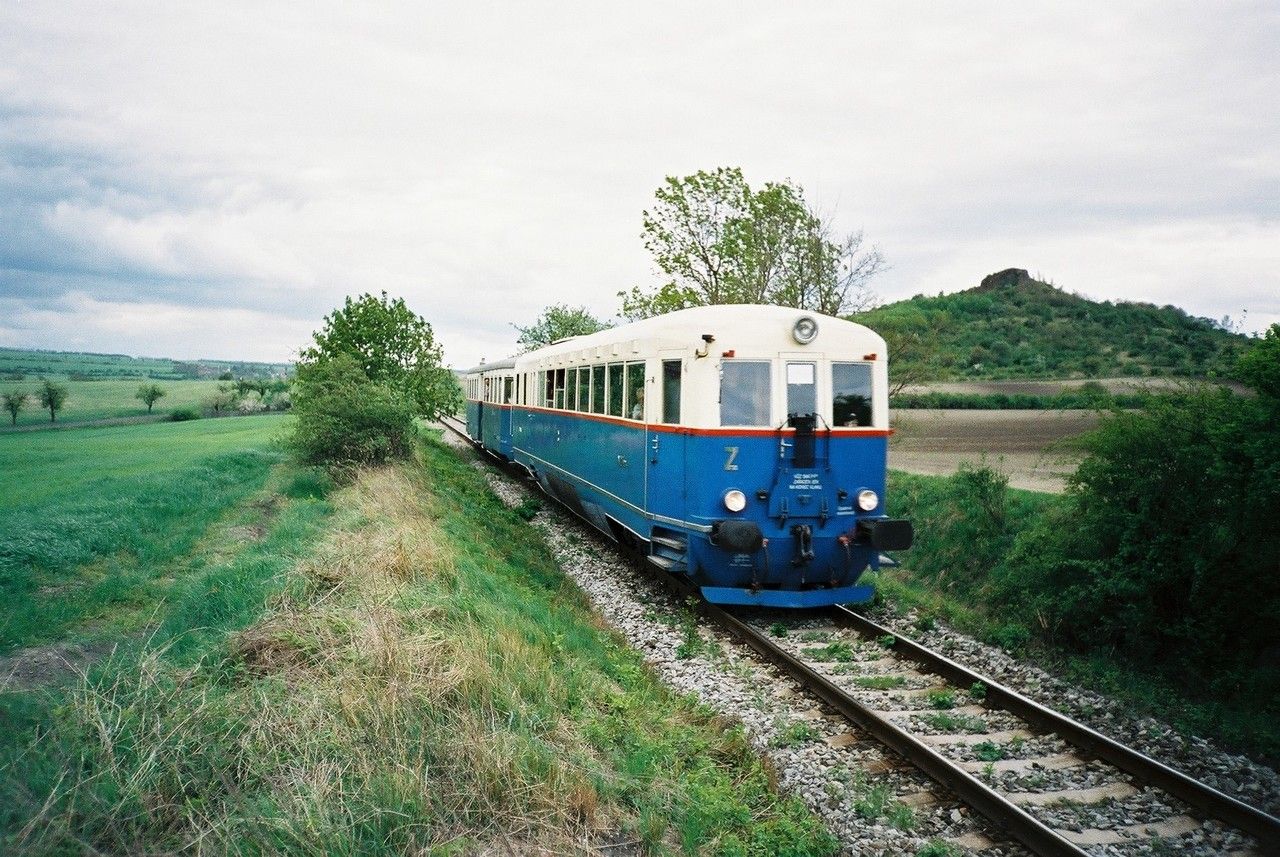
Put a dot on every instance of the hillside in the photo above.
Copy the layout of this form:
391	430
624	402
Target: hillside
18	363
1014	326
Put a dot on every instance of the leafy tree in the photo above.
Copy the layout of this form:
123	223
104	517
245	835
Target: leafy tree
557	322
223	400
1260	366
14	402
392	346
150	394
720	242
52	396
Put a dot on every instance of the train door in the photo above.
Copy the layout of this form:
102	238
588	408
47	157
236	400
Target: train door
665	475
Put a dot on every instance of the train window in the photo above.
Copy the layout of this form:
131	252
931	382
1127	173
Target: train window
571	390
558	400
597	389
548	388
508	390
802	395
634	404
615	389
671	391
584	388
744	392
851	394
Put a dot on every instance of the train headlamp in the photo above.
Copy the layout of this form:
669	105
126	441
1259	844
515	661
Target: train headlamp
867	500
804	330
735	500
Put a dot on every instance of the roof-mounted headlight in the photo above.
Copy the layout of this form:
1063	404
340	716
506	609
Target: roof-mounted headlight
804	330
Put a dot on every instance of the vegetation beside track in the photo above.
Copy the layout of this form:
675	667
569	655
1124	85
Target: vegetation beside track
424	680
975	545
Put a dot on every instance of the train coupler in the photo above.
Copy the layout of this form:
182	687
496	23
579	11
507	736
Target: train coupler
803	535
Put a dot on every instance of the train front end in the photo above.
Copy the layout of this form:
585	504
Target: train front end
787	491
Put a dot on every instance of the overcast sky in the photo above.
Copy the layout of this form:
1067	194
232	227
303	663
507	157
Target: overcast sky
209	179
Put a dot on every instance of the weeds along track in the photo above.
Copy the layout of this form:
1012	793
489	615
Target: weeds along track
1042	779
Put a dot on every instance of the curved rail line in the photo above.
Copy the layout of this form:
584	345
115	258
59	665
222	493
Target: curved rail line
1006	815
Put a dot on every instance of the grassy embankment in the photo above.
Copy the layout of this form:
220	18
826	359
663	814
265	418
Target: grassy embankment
966	526
107	398
424	680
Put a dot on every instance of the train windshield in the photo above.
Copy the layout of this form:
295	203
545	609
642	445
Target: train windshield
744	392
802	389
851	394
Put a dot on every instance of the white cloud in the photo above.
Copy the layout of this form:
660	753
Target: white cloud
485	162
80	322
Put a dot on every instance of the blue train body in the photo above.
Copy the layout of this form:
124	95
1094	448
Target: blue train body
630	429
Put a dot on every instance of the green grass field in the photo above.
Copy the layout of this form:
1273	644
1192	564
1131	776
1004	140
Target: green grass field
39	467
105	399
92	520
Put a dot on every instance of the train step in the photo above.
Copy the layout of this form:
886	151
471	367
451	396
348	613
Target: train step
677	545
667	564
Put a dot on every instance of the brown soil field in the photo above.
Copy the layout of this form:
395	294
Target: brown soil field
1030	447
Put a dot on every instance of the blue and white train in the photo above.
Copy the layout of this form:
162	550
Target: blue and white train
744	446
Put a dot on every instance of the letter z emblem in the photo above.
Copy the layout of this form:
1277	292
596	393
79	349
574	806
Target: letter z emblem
733	456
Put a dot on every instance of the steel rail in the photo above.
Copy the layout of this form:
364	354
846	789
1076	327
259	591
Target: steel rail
1223	807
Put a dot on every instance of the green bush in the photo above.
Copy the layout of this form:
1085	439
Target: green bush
1166	546
343	419
182	415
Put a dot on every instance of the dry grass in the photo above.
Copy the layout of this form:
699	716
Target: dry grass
354	703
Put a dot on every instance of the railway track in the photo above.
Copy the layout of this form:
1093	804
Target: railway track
1031	771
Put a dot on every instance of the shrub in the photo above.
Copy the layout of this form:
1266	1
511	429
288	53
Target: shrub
346	420
180	415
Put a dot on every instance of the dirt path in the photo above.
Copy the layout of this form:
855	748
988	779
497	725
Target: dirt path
1030	447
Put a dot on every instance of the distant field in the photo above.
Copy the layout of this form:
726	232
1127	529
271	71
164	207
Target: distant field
110	397
33	363
1030	447
39	466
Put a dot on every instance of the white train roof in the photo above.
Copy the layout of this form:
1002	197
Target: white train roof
762	328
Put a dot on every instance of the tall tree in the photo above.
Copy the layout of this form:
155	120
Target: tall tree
52	396
150	394
721	242
391	345
14	402
557	322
